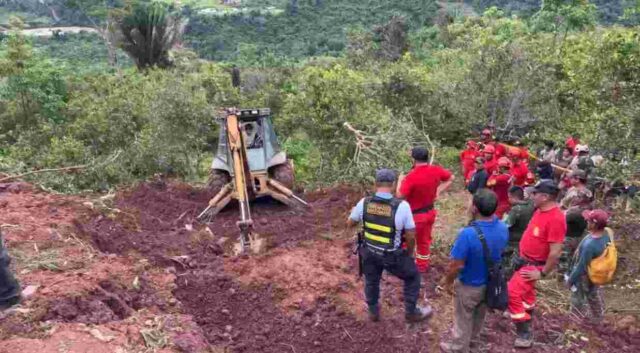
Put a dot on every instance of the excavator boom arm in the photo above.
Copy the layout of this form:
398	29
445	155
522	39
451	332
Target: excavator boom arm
241	174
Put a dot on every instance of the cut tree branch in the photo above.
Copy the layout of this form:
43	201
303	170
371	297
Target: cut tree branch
11	177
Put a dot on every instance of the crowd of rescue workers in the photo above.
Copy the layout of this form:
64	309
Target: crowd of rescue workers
525	219
531	217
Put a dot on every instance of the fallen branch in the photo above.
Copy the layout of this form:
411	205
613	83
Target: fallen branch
11	177
63	169
290	346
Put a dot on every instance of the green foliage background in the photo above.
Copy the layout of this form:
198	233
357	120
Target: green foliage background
62	105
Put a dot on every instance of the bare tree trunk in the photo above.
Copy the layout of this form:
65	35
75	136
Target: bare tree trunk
54	14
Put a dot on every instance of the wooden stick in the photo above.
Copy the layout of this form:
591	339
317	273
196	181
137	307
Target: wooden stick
536	158
76	167
11	177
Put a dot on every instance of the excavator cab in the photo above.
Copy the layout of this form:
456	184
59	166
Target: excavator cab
264	154
249	164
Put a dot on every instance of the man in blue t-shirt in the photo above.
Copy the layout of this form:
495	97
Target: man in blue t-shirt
468	269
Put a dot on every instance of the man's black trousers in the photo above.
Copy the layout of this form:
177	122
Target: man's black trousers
399	264
9	287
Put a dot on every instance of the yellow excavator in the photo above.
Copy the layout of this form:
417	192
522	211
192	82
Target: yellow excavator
249	164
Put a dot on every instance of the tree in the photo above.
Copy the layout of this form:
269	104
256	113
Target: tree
147	31
100	14
392	39
562	16
18	50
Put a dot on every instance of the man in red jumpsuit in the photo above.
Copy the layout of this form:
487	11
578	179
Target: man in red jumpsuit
467	160
571	143
500	183
522	176
490	160
540	250
421	187
487	138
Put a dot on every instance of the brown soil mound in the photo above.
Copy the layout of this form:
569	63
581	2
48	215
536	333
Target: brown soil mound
303	295
157	220
109	302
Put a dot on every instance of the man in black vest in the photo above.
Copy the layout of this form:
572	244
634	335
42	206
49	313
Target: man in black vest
389	239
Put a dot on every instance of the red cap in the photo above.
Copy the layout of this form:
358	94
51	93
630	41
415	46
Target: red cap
472	144
489	149
599	217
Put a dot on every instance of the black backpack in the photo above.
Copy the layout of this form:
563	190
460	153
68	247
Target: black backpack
497	296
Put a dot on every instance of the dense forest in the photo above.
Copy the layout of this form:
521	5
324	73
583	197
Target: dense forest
410	72
609	11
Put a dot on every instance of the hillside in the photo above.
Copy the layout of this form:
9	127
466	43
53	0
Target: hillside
609	11
306	29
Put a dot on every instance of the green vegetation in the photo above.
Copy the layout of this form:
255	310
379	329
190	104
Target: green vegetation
608	11
310	28
80	53
396	84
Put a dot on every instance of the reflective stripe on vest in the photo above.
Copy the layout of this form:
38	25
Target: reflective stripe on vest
377	238
379	222
377	227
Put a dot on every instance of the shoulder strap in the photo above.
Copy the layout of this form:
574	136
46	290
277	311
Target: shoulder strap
609	232
485	247
395	202
365	203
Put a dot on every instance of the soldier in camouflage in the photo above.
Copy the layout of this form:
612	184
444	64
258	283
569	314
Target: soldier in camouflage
578	199
517	220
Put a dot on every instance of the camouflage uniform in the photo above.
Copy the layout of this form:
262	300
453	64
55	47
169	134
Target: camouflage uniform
517	220
586	297
575	202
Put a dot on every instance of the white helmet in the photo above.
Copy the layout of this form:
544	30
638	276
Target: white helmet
582	148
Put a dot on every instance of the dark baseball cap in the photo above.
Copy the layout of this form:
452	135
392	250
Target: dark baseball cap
385	176
599	217
420	154
546	187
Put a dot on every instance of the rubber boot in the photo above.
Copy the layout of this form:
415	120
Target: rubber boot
525	337
419	314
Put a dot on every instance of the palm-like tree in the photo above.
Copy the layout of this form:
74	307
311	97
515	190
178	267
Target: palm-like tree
147	31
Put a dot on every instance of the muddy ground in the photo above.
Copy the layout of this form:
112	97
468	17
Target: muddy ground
134	272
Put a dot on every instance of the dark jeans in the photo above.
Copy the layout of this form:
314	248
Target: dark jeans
399	264
9	287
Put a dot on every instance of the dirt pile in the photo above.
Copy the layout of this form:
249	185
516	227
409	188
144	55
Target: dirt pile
158	221
110	301
301	296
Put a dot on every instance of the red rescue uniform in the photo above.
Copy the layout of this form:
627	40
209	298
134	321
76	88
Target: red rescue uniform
419	189
545	228
500	184
522	176
571	143
491	166
501	150
467	163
